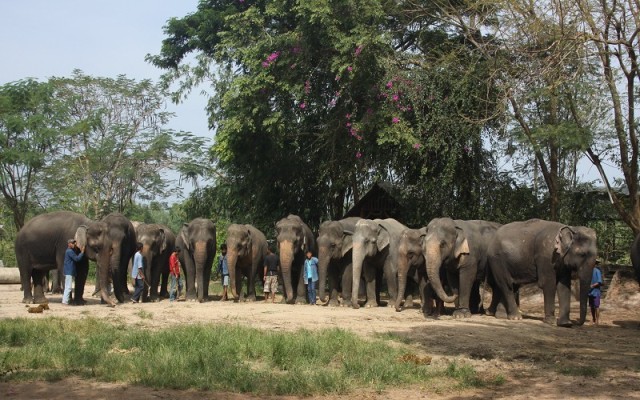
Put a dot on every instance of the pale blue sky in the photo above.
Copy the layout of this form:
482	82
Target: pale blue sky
106	38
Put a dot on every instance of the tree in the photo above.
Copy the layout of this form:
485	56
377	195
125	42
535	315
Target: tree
30	135
117	146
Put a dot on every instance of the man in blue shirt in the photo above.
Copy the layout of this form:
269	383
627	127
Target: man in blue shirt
311	276
137	273
70	260
594	293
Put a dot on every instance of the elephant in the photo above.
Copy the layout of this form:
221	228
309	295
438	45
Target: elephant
294	240
375	253
334	259
158	242
41	243
460	247
197	239
635	256
545	252
111	242
40	246
246	250
411	263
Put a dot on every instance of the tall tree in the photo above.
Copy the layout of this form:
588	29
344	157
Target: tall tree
30	133
118	145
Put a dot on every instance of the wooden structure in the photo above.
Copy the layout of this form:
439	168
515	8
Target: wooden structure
378	202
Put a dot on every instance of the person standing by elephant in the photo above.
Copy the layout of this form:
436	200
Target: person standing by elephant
223	270
595	293
271	264
311	276
137	274
70	260
175	290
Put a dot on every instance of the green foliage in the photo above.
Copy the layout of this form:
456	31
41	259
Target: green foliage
587	371
206	357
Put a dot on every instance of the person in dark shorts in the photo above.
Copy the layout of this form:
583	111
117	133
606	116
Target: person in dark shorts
271	264
594	293
223	270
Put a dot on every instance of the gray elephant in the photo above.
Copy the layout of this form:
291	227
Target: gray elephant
635	256
411	264
41	243
545	252
246	250
197	239
294	240
158	242
40	246
334	259
460	247
111	242
375	254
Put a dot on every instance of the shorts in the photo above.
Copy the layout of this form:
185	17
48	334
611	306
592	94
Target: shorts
594	301
225	280
271	283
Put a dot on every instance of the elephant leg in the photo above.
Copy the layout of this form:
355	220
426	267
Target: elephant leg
504	282
82	271
563	288
347	282
251	281
238	284
155	282
453	282
25	280
38	286
206	281
370	279
549	295
164	283
392	281
333	288
57	280
466	279
301	296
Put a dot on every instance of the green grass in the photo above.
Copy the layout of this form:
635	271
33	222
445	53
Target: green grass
211	357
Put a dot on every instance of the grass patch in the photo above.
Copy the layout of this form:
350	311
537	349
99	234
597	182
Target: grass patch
393	336
588	371
211	357
468	378
144	314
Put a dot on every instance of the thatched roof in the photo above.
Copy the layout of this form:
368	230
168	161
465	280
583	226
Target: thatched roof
378	202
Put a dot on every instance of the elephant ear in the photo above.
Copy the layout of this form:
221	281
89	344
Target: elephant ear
183	235
384	238
462	245
423	234
81	236
163	240
347	241
563	241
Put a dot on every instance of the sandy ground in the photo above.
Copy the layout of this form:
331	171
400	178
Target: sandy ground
527	353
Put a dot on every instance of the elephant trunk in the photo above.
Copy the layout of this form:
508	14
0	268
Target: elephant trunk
324	259
200	259
286	263
358	259
116	276
104	270
232	260
148	277
403	268
434	263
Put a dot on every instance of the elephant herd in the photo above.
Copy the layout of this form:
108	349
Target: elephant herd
447	260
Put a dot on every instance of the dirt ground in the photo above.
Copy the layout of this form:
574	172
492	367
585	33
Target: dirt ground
536	360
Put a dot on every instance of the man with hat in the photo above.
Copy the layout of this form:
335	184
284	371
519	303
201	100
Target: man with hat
174	273
70	260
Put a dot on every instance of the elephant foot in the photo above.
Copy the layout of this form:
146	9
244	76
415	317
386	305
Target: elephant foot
57	291
564	323
301	301
490	312
250	299
515	316
164	294
370	304
40	300
27	300
333	303
398	309
346	303
80	302
462	313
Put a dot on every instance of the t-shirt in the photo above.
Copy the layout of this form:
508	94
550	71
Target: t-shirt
596	277
271	261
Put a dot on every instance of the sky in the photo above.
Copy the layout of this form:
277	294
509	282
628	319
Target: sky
103	38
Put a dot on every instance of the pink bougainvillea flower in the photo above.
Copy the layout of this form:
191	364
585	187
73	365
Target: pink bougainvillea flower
349	68
358	50
307	87
348	124
295	50
265	64
337	77
389	84
395	120
359	137
273	56
358	155
348	116
417	145
303	105
396	97
467	149
293	66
